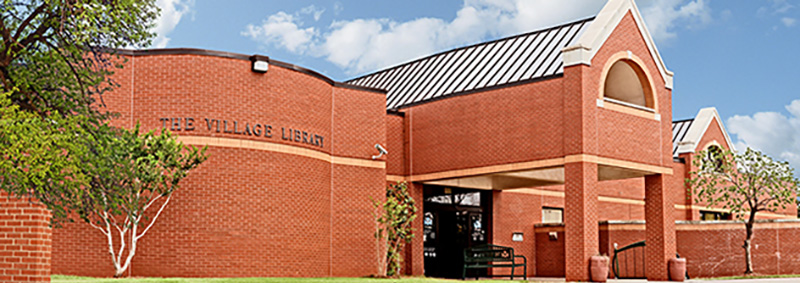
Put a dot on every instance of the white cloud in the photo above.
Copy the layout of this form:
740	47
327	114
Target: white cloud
362	45
283	30
662	16
770	132
338	7
312	10
171	13
788	22
781	6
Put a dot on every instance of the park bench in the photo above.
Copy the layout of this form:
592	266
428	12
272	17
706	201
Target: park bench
489	256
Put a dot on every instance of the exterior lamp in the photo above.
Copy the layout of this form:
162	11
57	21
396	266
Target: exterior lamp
259	64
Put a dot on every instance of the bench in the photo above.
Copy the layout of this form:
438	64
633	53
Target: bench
489	256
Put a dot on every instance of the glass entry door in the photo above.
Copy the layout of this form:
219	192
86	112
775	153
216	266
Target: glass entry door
453	219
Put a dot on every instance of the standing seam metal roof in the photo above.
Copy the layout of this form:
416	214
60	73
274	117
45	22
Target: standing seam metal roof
679	130
533	55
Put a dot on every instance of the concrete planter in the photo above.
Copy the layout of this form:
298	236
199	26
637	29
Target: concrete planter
599	268
677	269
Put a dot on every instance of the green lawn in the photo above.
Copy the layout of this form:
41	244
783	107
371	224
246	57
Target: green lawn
76	279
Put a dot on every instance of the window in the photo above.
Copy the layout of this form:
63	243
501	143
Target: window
552	215
715	156
714	215
627	83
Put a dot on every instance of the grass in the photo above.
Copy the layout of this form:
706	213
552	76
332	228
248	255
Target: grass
77	279
755	276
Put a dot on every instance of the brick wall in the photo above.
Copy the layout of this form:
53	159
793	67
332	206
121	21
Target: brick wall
715	249
25	237
515	212
550	258
712	249
484	124
298	209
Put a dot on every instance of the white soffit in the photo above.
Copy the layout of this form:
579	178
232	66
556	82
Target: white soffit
698	129
586	47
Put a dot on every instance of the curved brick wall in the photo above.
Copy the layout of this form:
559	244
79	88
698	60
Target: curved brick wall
291	203
24	241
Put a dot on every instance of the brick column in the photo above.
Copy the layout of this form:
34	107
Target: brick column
660	228
580	219
414	256
25	241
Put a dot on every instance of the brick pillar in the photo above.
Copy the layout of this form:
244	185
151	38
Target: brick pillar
580	219
414	257
660	227
25	241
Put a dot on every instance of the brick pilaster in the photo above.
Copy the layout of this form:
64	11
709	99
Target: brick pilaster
660	228
580	218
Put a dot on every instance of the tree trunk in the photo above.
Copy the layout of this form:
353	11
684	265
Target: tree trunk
748	243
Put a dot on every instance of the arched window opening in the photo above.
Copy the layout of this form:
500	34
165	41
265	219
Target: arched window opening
715	157
627	82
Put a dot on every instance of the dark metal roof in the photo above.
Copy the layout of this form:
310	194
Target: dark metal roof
679	130
534	55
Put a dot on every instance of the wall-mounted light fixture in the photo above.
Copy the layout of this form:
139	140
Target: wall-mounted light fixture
381	151
259	63
517	237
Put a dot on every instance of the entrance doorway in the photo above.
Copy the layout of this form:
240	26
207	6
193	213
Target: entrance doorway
453	219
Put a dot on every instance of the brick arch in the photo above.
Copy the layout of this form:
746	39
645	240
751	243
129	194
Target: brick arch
643	74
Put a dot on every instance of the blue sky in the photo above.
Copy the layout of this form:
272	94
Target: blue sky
740	56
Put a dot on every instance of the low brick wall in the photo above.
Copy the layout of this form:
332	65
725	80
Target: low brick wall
711	248
714	248
550	256
25	241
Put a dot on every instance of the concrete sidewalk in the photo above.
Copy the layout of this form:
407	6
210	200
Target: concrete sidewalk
754	280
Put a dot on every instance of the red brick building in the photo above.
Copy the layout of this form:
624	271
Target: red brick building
571	124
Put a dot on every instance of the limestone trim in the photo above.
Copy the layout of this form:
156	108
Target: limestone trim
732	225
620	200
281	148
622	226
537	164
714	209
553	162
712	143
561	194
617	163
395	178
619	106
540	192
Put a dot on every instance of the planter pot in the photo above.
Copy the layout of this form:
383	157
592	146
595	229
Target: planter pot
599	268
677	269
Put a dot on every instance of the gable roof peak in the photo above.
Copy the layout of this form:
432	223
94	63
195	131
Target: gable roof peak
585	48
698	129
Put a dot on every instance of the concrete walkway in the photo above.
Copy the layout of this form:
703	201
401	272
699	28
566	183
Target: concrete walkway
755	280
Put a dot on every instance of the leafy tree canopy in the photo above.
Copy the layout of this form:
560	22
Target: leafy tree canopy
742	182
56	58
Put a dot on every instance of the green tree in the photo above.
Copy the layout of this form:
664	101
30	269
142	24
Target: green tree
394	225
134	174
743	183
55	60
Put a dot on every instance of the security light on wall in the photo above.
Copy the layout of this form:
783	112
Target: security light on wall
259	64
381	151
